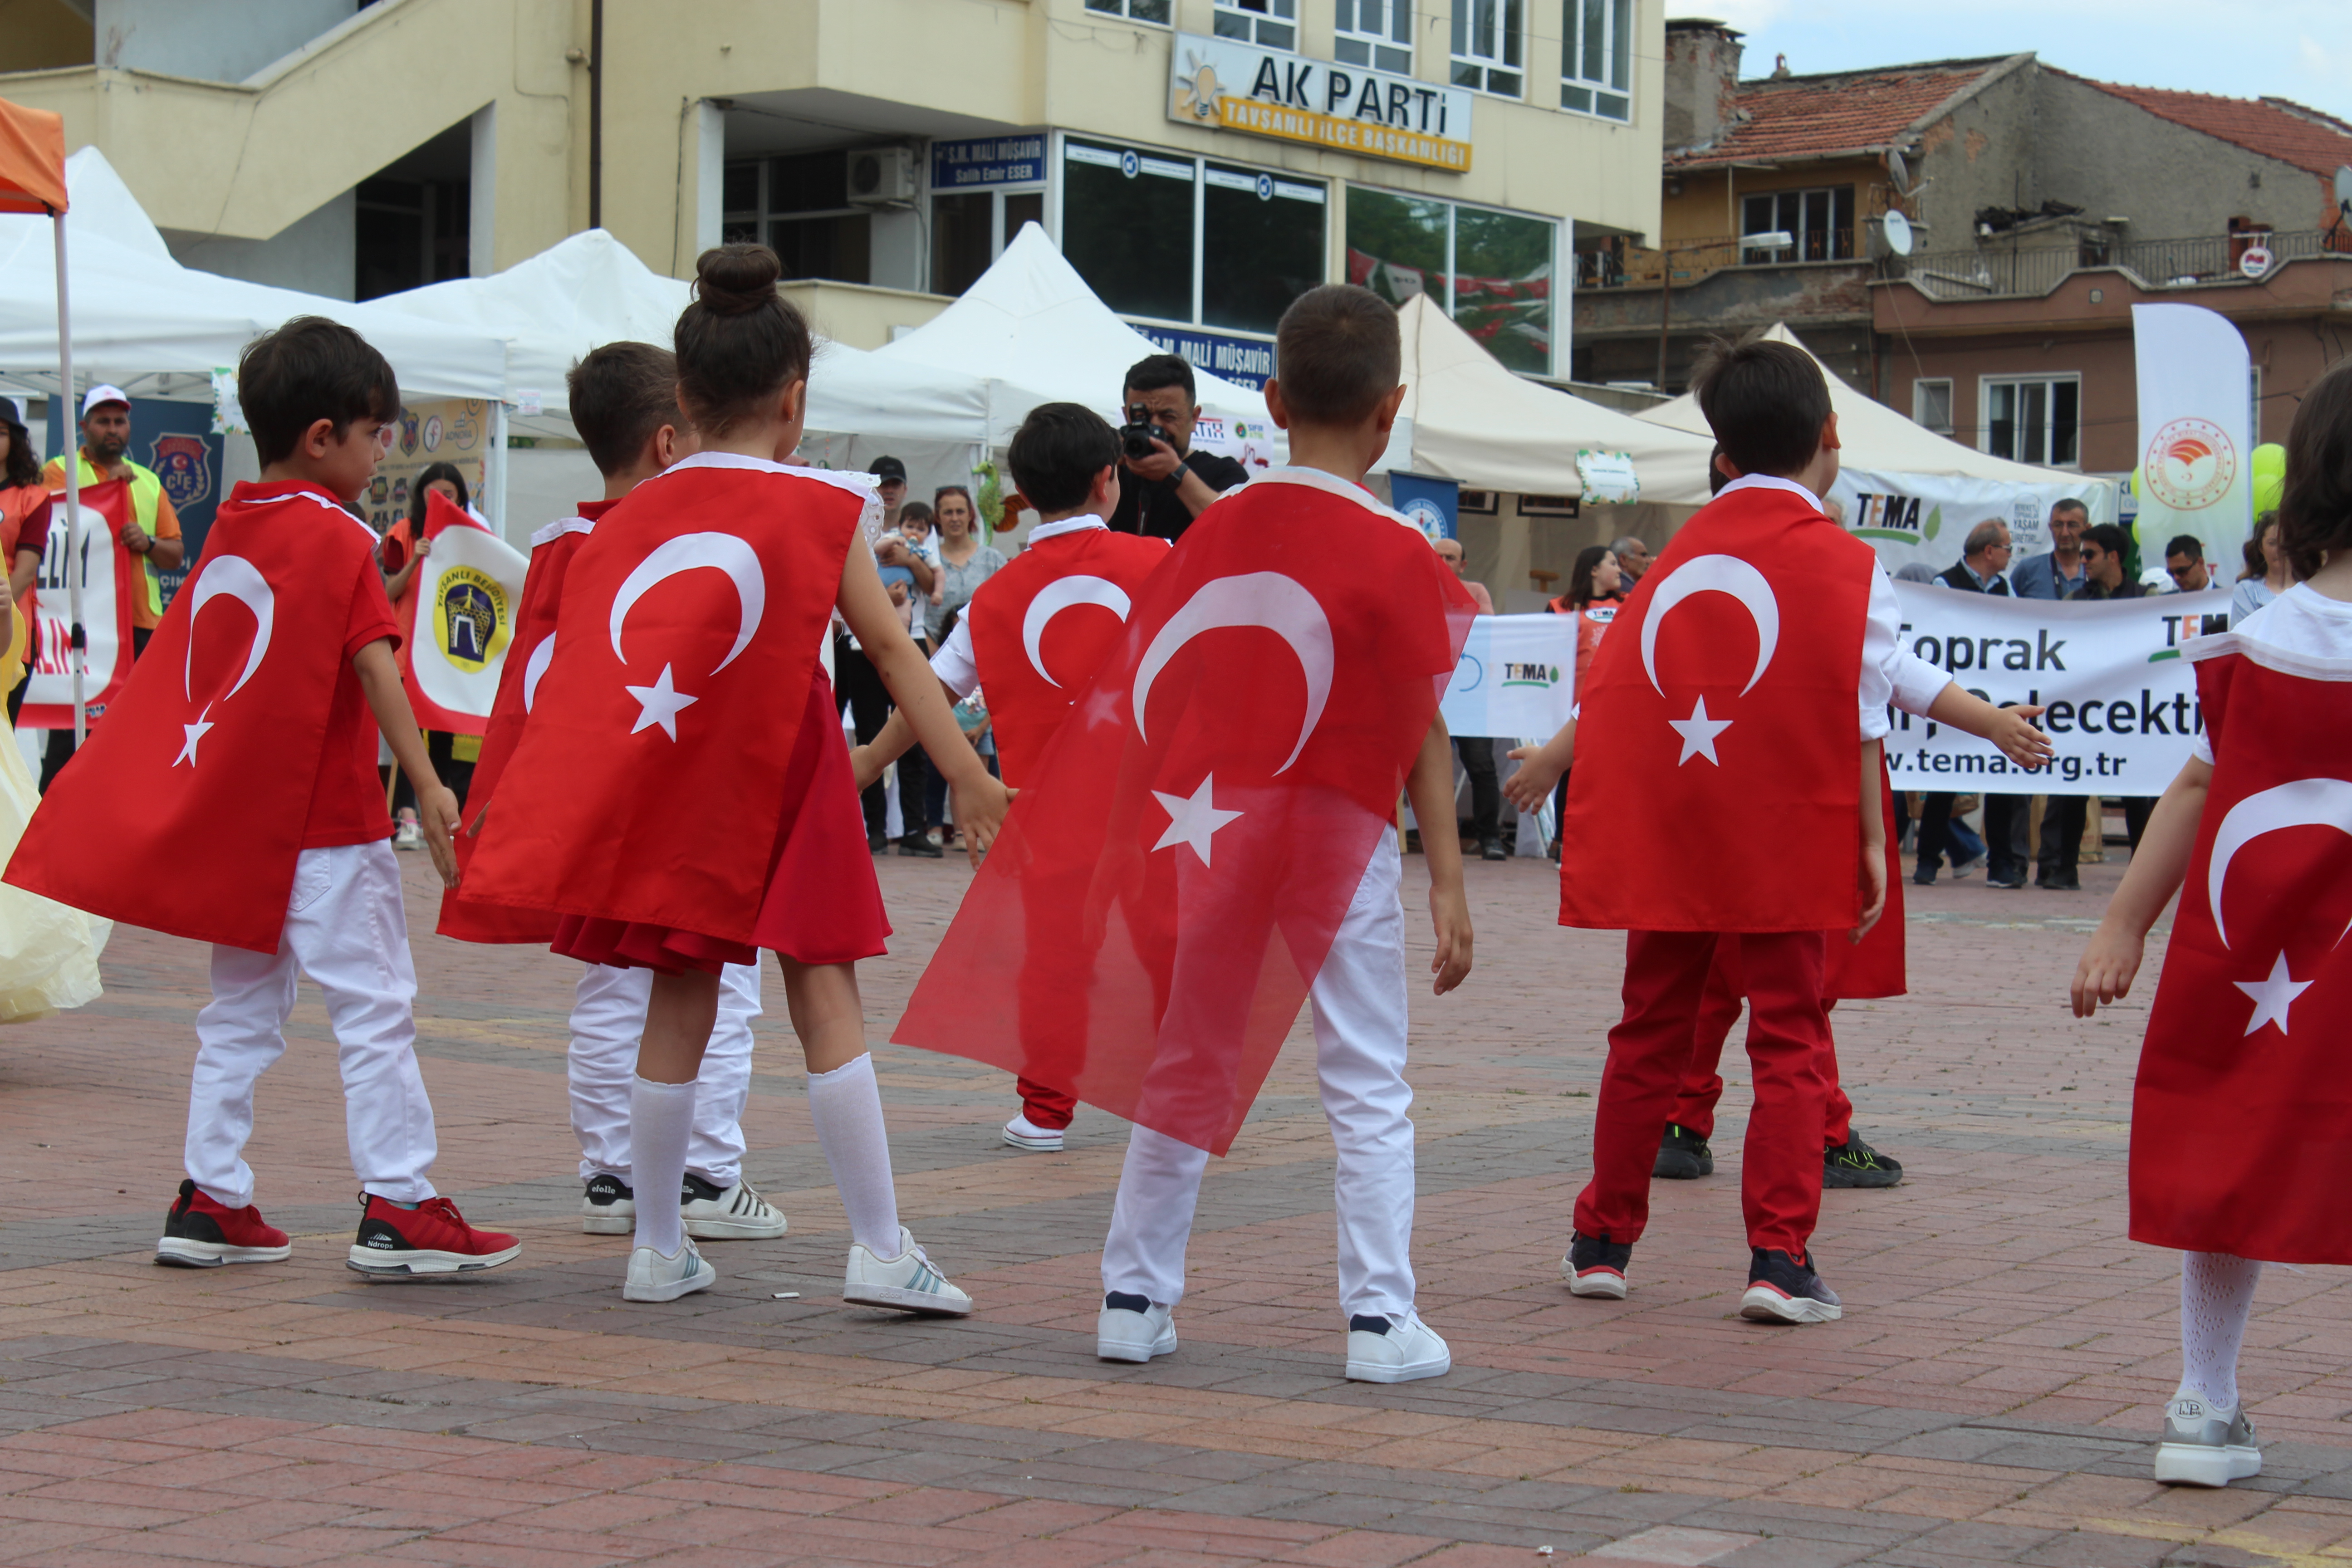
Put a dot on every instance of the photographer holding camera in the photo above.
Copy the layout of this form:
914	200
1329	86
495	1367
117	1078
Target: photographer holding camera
1163	484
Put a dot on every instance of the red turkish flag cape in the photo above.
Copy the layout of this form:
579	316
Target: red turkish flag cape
1179	866
50	621
1043	625
1717	769
552	550
2239	1121
184	813
651	774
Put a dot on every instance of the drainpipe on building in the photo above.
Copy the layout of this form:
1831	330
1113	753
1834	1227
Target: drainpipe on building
596	114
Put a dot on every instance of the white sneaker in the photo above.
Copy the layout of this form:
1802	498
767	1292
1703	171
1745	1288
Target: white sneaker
1132	1329
713	1213
607	1206
907	1282
407	835
1023	1133
1381	1350
2203	1446
658	1277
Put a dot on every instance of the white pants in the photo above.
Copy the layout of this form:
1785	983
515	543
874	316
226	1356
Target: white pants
608	1018
1361	1016
346	930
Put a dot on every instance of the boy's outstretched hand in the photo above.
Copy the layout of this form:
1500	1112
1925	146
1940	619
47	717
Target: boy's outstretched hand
2109	965
980	810
1540	769
2019	740
438	813
1449	912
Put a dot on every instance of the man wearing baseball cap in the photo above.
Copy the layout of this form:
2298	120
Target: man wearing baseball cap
153	534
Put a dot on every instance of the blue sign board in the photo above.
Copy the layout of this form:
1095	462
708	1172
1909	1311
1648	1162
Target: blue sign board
1432	502
1247	361
988	161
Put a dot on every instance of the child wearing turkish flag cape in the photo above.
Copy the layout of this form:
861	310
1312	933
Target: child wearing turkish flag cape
231	797
2238	1149
1224	792
624	402
681	797
1033	637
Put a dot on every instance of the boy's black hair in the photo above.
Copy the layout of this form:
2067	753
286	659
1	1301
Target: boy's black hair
2109	537
1156	370
1340	351
1057	452
740	342
421	486
1766	403
2315	509
621	393
307	370
1715	478
2187	544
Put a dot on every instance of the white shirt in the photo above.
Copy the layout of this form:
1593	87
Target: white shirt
958	670
1891	673
2303	621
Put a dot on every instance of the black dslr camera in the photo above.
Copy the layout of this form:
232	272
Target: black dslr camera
1135	436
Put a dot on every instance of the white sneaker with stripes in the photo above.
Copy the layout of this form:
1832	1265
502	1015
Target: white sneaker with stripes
907	1283
713	1213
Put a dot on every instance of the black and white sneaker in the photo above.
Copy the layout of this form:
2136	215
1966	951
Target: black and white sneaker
608	1207
1683	1156
1785	1289
1854	1164
713	1213
1595	1266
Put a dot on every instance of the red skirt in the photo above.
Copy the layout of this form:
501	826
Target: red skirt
822	904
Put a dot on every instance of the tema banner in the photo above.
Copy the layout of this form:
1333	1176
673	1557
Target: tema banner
2122	701
1516	677
1924	518
2196	440
459	614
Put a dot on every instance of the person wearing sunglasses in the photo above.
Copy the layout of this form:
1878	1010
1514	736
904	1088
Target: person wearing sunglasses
2184	563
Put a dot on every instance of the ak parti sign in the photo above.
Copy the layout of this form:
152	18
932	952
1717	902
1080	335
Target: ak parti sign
1233	86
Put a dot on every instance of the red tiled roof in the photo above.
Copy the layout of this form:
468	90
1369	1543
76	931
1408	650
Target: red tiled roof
1850	111
2271	126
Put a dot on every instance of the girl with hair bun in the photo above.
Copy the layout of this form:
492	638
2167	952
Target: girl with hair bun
691	798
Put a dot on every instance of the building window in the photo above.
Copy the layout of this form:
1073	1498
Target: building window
799	207
1129	219
409	232
1821	224
1375	34
1271	23
1489	43
1491	271
2037	421
969	229
1931	406
1596	58
1133	10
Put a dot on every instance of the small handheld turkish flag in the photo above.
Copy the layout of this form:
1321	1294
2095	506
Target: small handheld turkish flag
1202	818
184	811
2238	1119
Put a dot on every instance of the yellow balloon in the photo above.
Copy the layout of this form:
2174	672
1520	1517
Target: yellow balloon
2268	467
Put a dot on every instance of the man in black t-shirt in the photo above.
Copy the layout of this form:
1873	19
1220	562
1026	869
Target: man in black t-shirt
1161	494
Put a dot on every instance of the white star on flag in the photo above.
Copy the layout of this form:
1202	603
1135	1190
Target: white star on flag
2273	997
1102	708
659	703
196	733
1192	821
1698	733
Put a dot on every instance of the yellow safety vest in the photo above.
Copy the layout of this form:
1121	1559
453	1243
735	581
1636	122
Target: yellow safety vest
146	498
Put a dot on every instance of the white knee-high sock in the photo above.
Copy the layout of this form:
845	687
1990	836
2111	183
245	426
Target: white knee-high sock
661	1119
2216	1296
847	1106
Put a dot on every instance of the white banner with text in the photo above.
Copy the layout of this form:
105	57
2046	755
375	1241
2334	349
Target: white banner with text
1515	679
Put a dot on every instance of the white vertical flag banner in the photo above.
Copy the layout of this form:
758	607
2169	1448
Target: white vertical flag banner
2196	444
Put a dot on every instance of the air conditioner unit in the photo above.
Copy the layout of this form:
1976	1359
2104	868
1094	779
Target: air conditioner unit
882	176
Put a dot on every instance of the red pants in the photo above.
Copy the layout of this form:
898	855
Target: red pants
1788	1049
1718	1009
1045	1107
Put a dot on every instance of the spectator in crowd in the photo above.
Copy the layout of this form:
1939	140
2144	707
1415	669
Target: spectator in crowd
24	523
855	680
1595	584
402	549
2104	549
1984	554
965	565
1477	751
2184	563
1633	556
1161	494
2266	575
913	530
2057	571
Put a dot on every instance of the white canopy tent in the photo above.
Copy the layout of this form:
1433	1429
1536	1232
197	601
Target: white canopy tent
1912	493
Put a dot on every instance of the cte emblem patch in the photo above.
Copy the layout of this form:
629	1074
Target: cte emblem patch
470	618
184	466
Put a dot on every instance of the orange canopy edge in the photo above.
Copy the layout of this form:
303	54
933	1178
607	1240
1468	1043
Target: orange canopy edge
32	160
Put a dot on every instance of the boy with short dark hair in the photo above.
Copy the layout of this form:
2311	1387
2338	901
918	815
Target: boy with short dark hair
243	758
624	402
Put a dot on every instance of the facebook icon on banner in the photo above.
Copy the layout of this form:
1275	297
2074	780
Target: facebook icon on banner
1433	503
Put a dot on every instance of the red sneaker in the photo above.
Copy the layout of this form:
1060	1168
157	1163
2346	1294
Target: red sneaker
200	1234
431	1238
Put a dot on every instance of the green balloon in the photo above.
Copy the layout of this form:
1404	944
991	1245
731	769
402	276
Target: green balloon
2268	467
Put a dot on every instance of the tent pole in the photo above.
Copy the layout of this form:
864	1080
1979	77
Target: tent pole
76	561
495	480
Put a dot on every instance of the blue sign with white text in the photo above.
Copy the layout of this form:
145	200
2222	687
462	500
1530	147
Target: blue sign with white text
988	161
1246	361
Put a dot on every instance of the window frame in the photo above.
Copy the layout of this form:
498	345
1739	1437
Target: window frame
1562	237
1505	36
1795	255
1251	19
1399	16
763	216
2046	380
1921	383
1123	11
1619	20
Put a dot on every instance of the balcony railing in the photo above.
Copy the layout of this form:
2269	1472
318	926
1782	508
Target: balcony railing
1992	272
1633	267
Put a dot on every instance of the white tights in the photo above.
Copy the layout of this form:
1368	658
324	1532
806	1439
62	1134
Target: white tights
2216	1296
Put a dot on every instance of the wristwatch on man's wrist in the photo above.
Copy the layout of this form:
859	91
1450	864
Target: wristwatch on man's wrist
1174	482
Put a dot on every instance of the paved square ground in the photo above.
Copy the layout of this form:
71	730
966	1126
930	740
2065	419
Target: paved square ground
1988	1397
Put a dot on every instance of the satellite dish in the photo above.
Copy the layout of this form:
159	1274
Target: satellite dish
2344	188
1902	171
1898	229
